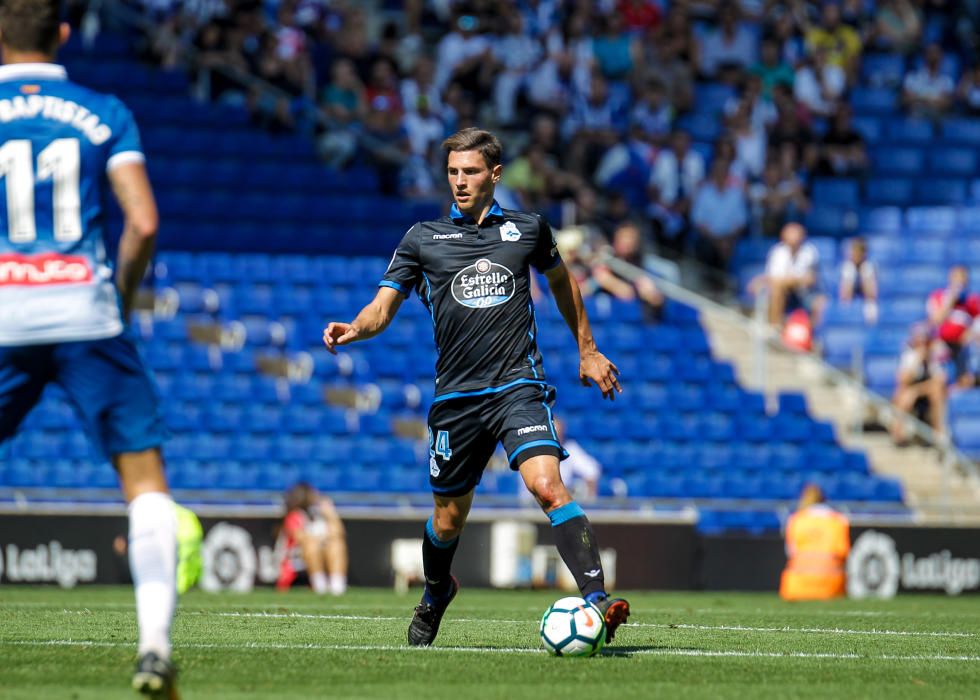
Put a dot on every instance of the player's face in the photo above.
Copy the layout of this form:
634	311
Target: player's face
472	181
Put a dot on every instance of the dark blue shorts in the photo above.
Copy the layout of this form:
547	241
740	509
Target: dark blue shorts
465	431
106	381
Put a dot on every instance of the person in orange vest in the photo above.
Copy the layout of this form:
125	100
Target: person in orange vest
818	541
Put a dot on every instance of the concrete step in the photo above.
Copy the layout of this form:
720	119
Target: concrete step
957	498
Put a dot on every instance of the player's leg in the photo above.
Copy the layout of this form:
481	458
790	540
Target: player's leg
531	441
24	371
459	449
117	400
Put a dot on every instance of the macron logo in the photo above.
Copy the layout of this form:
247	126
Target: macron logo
47	268
446	236
532	429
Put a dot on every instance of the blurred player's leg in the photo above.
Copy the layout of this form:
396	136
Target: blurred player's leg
335	551
574	539
153	561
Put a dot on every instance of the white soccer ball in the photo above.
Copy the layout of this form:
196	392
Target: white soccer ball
573	627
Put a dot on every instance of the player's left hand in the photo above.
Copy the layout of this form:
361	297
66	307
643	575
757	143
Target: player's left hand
596	367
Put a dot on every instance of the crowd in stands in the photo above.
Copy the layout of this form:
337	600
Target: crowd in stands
678	127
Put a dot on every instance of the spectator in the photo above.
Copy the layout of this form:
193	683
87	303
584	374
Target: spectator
750	141
314	541
425	131
639	16
677	173
928	92
842	42
817	544
859	280
920	384
343	105
527	178
593	126
777	199
897	26
952	312
842	152
652	115
557	83
719	215
627	247
577	245
672	57
465	56
517	54
580	471
385	144
615	50
729	49
771	69
422	83
383	87
968	92
819	84
790	277
762	110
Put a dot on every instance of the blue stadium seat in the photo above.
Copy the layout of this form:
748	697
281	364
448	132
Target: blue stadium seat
869	100
961	130
841	192
880	220
889	191
953	161
940	191
891	160
882	69
919	131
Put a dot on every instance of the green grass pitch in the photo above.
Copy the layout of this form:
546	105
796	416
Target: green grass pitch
80	644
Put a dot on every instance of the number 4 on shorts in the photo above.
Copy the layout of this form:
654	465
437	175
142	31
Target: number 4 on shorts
442	444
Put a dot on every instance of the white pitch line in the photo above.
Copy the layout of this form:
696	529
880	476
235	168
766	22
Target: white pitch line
273	646
717	628
703	628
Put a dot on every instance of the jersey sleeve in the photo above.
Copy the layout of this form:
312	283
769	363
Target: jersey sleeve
405	269
124	144
545	256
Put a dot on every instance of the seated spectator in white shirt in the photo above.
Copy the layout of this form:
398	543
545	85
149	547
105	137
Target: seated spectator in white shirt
676	175
920	386
719	215
580	471
790	277
518	54
464	55
750	141
928	92
728	49
859	280
819	84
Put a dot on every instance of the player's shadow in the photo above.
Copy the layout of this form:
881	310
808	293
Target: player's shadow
626	652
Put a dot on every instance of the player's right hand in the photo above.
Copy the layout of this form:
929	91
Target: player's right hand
338	334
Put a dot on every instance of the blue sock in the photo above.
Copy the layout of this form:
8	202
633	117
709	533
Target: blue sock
596	596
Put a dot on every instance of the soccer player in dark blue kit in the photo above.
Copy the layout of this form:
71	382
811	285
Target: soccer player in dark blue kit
63	308
472	272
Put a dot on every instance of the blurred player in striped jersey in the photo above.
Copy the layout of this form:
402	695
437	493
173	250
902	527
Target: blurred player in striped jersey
64	306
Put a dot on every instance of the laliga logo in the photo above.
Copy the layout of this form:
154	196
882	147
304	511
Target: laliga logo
229	560
872	567
483	284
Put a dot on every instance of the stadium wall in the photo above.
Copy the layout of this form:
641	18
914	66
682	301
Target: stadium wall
239	553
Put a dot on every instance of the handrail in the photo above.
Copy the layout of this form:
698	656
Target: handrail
951	457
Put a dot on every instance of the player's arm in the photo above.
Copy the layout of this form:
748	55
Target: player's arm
132	189
371	321
593	365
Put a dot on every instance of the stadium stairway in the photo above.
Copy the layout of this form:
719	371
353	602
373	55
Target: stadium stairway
936	494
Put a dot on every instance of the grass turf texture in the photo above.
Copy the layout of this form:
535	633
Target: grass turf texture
81	644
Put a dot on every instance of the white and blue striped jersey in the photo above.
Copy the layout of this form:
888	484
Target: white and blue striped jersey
58	141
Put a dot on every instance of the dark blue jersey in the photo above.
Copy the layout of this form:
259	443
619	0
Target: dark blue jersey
475	282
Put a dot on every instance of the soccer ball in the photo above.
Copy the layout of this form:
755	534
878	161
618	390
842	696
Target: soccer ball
573	627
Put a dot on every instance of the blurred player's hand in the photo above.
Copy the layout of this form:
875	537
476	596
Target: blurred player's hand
339	334
596	367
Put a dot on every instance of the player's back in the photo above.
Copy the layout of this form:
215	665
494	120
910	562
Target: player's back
57	142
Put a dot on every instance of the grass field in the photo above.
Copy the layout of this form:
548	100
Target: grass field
80	644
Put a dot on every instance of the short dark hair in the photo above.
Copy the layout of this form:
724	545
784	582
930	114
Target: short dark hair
474	139
30	25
